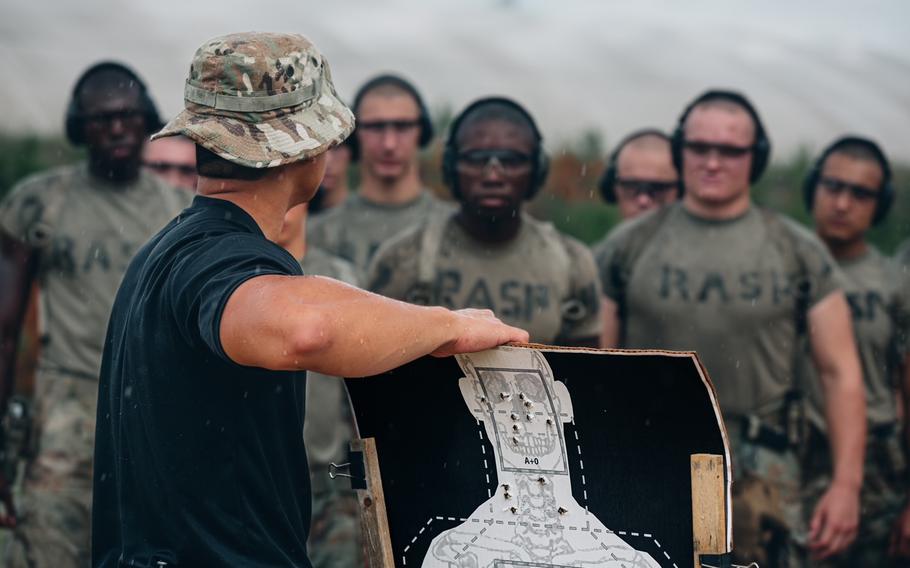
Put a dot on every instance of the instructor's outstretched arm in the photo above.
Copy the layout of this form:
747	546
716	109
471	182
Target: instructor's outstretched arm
323	325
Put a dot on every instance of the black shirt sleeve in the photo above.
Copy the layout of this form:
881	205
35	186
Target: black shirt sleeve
208	274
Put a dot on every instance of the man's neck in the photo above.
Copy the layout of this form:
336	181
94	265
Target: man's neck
391	192
489	230
296	246
847	250
266	201
718	211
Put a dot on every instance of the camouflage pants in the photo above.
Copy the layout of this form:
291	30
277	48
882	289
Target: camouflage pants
54	527
335	530
881	499
768	520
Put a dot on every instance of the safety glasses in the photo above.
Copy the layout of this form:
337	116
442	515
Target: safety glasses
108	118
631	188
836	187
725	151
510	162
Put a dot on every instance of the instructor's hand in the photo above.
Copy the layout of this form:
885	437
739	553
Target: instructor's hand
835	521
477	330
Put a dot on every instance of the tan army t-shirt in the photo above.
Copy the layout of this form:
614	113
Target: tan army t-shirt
355	229
542	281
95	229
879	298
902	256
725	289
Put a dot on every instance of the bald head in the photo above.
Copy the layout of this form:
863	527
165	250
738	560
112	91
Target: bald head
645	176
726	106
651	149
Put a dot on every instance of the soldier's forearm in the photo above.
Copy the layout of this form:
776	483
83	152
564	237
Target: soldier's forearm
837	362
846	414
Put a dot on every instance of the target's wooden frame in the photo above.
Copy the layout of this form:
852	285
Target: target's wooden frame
709	473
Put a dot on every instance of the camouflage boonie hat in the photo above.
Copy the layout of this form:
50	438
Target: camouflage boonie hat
261	100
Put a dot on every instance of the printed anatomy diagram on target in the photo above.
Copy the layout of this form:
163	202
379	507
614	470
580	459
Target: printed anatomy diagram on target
532	519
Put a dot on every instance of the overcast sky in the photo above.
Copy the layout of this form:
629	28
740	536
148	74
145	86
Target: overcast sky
815	69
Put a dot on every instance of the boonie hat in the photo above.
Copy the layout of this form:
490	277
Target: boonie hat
261	100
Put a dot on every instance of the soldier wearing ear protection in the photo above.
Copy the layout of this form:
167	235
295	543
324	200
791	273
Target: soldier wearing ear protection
640	174
84	222
740	285
393	124
848	190
490	254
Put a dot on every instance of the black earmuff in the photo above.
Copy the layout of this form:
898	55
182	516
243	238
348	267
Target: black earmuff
761	148
886	191
74	121
541	162
607	183
426	123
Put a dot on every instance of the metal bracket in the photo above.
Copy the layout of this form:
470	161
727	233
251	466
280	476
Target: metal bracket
353	469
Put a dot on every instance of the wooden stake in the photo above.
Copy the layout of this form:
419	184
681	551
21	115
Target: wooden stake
709	511
374	522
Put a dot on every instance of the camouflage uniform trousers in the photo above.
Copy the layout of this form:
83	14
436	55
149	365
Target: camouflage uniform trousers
882	498
768	520
54	527
335	526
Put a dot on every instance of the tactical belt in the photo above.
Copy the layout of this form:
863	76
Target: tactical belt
756	431
883	431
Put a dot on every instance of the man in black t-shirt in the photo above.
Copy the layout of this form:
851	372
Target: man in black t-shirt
199	457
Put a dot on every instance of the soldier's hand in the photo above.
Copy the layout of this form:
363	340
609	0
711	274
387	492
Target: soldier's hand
7	507
835	521
900	535
477	330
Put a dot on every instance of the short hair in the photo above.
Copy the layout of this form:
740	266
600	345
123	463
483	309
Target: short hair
647	140
107	81
387	86
496	111
857	150
211	165
724	103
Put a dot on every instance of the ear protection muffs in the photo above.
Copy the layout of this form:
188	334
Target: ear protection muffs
761	148
607	183
886	191
74	122
540	160
426	123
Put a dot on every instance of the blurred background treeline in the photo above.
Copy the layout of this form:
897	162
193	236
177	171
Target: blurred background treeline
571	198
